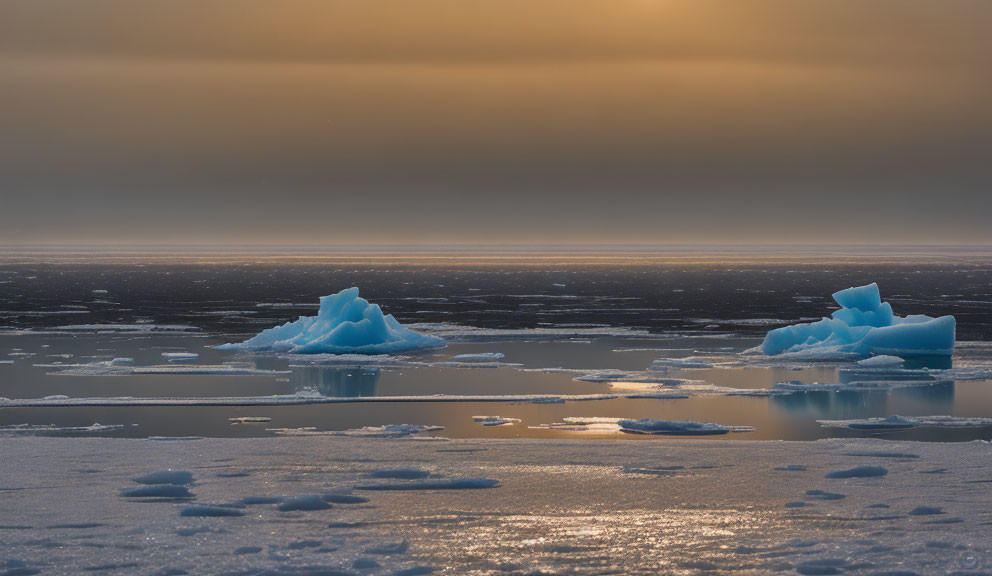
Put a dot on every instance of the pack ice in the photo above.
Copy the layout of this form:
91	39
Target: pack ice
865	326
344	324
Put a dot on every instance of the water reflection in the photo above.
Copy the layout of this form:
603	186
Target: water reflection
340	382
939	397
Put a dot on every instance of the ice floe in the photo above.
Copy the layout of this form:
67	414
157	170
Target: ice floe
180	356
301	398
123	367
907	422
345	324
666	427
882	362
495	420
53	430
483	357
249	419
385	431
864	326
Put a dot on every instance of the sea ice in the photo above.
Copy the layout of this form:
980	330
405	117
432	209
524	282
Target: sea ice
495	420
665	427
180	356
53	430
882	362
483	357
385	431
906	422
864	326
249	419
344	324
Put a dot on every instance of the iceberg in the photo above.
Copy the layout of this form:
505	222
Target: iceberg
864	326
344	324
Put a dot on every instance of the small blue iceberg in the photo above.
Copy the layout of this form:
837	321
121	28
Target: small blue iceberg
344	324
865	326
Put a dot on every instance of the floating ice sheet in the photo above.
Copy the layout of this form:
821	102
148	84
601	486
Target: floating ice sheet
386	431
118	367
53	430
907	422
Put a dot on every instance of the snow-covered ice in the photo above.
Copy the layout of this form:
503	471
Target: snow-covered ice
864	326
561	506
345	324
180	356
882	362
495	420
669	428
249	419
53	430
385	431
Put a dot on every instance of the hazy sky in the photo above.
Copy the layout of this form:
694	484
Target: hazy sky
495	121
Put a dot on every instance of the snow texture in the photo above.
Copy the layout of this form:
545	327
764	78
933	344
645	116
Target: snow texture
575	507
864	326
344	324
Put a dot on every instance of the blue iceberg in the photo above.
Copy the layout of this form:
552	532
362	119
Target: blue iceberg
344	324
865	326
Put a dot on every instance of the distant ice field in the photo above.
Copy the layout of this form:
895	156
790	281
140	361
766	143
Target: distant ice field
132	348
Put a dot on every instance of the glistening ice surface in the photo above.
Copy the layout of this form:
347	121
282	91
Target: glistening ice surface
539	350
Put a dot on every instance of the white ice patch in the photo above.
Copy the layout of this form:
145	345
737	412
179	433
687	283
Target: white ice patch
386	431
688	362
882	362
53	430
302	398
495	420
344	324
118	368
907	422
180	356
670	428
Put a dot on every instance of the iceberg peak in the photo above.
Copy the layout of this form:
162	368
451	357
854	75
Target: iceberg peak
865	326
344	324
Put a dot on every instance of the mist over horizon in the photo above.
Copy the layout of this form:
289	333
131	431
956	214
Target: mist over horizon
495	122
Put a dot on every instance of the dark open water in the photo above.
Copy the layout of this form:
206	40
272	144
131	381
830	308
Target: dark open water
683	310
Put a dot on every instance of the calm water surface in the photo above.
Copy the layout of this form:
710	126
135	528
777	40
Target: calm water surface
71	314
